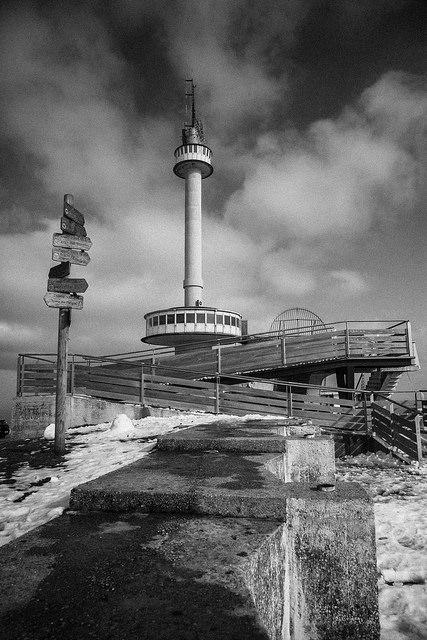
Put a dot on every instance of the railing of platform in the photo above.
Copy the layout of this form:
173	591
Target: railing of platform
338	410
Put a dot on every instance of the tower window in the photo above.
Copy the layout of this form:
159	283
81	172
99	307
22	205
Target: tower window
179	318
155	321
200	317
220	319
227	320
190	317
171	318
186	149
210	318
162	319
233	321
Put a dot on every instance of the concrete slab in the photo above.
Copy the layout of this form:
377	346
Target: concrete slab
232	437
205	483
148	577
163	577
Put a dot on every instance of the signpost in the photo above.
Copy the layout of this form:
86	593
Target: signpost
69	247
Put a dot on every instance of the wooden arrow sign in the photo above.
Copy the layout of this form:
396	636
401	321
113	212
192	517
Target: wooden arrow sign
63	301
71	242
72	255
60	270
73	214
67	285
68	226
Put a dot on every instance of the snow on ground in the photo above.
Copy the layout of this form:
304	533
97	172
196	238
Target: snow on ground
35	487
400	506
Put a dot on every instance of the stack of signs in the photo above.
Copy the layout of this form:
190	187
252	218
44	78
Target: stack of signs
69	247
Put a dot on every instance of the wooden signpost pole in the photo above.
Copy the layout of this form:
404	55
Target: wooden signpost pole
68	247
61	415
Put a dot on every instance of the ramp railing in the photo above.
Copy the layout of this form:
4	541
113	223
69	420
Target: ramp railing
337	410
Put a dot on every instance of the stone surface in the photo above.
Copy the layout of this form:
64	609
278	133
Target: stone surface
148	577
208	483
309	459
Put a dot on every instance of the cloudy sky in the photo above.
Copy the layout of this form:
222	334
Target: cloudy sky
315	112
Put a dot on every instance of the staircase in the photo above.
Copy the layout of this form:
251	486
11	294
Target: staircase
383	381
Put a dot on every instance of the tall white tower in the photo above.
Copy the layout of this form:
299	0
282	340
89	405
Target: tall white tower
193	323
193	163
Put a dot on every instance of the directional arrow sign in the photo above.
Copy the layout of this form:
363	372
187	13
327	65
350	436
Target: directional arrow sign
63	301
67	285
71	242
73	214
72	255
68	226
60	270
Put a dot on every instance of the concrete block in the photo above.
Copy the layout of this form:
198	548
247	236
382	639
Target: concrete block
332	569
32	414
309	459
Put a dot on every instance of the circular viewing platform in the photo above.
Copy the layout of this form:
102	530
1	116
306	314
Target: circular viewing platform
184	325
199	154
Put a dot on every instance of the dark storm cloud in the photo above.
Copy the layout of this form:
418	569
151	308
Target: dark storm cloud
314	110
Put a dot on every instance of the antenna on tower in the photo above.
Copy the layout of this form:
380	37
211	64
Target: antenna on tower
193	131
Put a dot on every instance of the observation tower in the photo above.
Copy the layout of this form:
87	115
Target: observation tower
194	322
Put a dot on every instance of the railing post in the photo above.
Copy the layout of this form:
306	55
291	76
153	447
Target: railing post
141	385
217	393
289	399
392	424
409	344
152	365
19	375
366	415
418	421
218	359
283	349
347	341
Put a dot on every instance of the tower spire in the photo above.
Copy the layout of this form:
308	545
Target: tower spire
192	132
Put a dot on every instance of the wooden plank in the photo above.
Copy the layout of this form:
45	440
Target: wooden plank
197	384
164	393
74	256
174	404
60	270
67	285
63	301
261	402
93	380
112	395
71	241
227	405
73	214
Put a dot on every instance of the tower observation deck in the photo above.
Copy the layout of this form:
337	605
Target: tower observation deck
193	322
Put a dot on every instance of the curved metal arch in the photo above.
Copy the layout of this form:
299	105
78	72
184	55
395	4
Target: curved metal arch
297	320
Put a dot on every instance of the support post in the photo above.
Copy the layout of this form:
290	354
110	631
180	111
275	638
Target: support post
61	417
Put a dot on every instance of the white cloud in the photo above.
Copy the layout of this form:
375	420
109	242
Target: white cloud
348	282
339	178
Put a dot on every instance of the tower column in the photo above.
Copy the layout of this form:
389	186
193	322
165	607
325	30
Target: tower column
193	284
